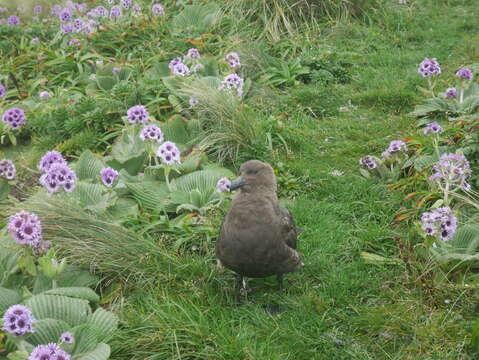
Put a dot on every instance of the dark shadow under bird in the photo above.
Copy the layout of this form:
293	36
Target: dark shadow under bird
258	237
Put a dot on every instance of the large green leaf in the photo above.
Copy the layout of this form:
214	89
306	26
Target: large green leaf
195	20
93	197
4	189
87	337
48	331
100	352
128	146
151	196
89	166
105	320
124	208
71	310
84	293
8	298
201	179
8	264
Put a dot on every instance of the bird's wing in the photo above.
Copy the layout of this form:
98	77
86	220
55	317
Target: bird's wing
289	227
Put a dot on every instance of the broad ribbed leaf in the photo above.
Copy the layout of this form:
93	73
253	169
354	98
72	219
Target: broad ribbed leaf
195	20
128	146
105	320
93	196
423	162
89	166
101	352
75	292
48	331
8	298
466	238
151	196
202	180
124	208
87	337
4	189
71	310
176	130
8	264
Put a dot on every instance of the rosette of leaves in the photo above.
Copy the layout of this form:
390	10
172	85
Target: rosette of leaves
441	107
461	252
105	80
69	309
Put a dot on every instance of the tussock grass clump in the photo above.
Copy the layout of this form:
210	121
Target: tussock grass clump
96	241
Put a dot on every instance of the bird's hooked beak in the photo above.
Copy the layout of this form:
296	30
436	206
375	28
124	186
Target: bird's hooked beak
236	184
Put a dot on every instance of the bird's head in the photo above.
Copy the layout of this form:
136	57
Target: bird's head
255	175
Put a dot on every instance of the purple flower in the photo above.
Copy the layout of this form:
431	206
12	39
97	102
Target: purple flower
233	82
451	93
233	60
465	74
223	185
197	67
115	70
48	352
193	101
67	28
81	8
108	176
65	15
101	11
14	117
37	9
26	229
169	153
115	12
137	114
396	146
78	24
157	10
181	69
193	53
452	169
58	176
111	2
2	10
44	95
50	158
174	62
440	223
7	169
3	91
67	337
368	162
151	132
136	9
18	320
126	3
74	42
429	67
433	128
13	20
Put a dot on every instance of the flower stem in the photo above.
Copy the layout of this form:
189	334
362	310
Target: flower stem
461	96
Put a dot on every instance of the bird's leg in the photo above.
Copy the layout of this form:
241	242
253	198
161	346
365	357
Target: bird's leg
239	286
279	277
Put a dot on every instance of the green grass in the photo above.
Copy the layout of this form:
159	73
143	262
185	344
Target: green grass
337	307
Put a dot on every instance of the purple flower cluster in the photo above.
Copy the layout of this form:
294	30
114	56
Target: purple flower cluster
452	169
44	95
169	153
37	9
58	176
50	158
18	320
465	74
451	93
108	176
152	132
26	229
429	67
233	82
137	114
65	15
115	12
181	69
100	11
193	53
14	117
394	147
56	10
224	184
48	352
157	10
74	42
7	169
13	20
440	223
3	91
193	101
433	128
115	70
368	162
67	337
126	3
233	60
57	173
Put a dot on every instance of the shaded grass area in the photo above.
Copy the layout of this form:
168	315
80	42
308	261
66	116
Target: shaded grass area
338	307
